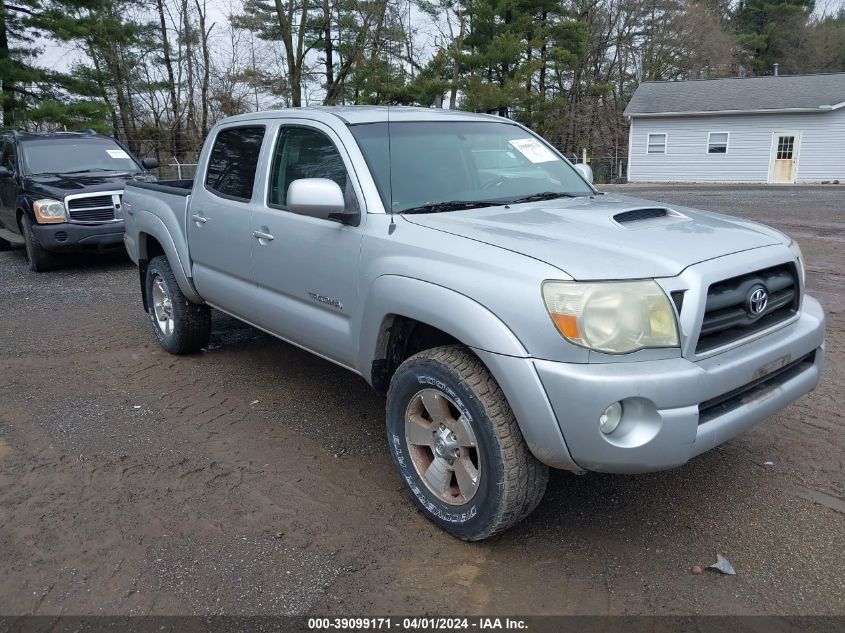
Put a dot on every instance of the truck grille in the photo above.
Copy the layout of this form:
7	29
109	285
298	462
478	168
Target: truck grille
92	208
727	315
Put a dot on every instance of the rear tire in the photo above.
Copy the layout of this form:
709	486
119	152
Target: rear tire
5	245
40	259
182	327
458	447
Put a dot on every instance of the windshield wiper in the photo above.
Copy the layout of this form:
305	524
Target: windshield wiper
545	195
453	205
89	170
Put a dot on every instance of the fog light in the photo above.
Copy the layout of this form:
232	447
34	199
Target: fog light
610	419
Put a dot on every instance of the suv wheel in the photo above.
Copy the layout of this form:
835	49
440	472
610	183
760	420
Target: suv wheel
182	327
457	445
40	259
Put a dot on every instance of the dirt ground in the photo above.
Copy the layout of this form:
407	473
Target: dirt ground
254	478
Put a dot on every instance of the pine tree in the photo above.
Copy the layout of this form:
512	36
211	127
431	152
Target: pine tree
770	29
18	74
112	41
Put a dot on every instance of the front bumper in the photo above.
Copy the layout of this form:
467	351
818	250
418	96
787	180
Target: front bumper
69	237
662	425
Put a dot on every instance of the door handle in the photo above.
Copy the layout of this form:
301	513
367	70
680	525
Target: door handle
196	217
262	235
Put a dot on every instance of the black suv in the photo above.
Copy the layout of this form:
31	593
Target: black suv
62	192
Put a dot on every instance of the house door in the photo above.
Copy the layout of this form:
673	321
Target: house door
785	146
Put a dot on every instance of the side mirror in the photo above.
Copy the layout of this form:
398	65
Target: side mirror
4	172
319	198
586	171
149	163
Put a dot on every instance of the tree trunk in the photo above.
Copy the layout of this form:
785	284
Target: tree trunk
176	132
284	18
327	33
543	56
7	101
191	112
456	65
206	68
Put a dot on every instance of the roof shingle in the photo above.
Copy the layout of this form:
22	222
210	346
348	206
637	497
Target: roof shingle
739	94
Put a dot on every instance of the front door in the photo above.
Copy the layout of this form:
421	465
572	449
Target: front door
306	268
220	221
785	146
8	188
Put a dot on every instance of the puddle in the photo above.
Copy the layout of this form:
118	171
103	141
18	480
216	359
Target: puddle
5	449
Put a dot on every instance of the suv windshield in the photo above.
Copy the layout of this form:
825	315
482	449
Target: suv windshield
444	166
54	155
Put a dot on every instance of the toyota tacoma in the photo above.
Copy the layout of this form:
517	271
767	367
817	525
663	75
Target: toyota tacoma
514	317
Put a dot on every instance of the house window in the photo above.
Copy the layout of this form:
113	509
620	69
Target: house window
717	143
656	144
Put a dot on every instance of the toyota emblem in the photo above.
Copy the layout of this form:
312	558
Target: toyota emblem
757	301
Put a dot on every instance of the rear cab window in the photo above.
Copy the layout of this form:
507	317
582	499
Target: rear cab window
233	161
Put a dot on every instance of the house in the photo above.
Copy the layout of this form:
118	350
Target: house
776	129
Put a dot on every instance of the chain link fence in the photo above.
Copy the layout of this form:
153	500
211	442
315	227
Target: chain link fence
606	169
175	171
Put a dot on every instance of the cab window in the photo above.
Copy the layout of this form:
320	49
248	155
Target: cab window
305	153
231	166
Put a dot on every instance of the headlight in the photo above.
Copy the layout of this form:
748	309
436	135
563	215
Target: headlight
796	250
612	317
49	211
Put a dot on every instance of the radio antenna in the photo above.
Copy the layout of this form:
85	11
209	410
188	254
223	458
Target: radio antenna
392	226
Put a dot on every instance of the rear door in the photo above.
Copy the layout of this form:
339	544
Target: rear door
306	268
219	220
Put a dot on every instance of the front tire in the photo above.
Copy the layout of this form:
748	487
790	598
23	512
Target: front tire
457	445
40	259
182	327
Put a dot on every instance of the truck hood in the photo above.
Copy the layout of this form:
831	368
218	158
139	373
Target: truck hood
588	239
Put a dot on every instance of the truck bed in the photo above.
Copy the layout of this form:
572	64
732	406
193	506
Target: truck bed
176	187
153	206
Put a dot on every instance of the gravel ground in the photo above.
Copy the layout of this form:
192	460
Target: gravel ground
254	479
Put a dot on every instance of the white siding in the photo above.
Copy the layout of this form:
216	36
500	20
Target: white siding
821	153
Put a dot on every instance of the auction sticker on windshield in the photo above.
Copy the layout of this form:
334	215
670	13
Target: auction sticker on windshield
533	150
117	153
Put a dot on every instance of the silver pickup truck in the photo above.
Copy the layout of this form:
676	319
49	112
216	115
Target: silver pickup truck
515	318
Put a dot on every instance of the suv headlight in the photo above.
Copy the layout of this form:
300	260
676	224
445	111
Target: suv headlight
796	250
49	211
612	316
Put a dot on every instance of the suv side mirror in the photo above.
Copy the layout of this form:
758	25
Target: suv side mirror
149	163
586	171
4	172
319	198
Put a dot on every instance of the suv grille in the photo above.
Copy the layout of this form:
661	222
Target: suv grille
93	208
727	317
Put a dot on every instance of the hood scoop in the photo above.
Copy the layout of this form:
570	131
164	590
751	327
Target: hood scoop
638	215
647	216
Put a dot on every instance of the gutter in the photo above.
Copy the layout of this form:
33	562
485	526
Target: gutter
823	108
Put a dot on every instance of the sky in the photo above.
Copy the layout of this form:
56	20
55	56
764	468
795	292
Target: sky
61	57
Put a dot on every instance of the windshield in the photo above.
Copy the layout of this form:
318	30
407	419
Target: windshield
77	155
427	164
